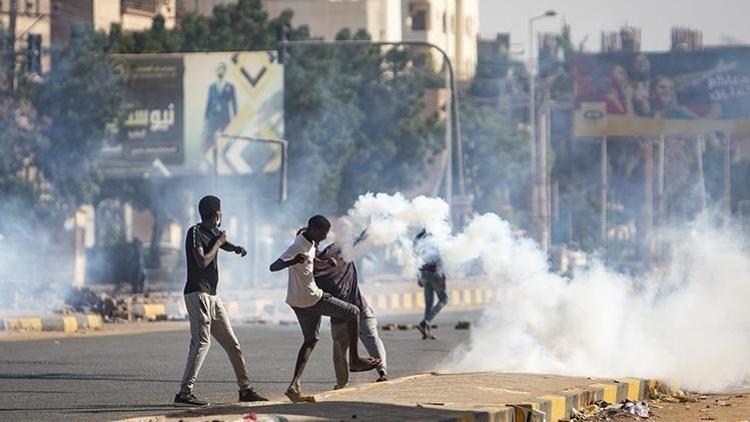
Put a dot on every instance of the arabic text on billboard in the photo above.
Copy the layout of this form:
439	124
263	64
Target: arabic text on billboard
182	106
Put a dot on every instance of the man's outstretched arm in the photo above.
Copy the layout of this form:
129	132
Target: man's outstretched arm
280	264
230	247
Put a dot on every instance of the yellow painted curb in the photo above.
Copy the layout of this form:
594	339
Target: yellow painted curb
407	301
381	302
455	297
394	302
610	392
634	388
467	298
23	324
151	311
94	321
557	407
478	296
69	324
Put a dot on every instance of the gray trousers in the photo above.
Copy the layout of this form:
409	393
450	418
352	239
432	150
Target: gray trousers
368	333
430	290
209	318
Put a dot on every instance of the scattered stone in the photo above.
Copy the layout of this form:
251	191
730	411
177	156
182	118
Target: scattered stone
687	399
463	325
388	327
405	327
603	411
722	403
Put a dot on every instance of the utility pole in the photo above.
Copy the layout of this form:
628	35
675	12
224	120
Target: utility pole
453	125
534	147
12	14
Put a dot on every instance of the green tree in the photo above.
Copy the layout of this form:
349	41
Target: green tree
77	101
497	161
354	115
53	130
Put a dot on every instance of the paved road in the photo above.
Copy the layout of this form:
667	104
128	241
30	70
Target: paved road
110	377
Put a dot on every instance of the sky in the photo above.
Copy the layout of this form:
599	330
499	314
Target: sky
718	19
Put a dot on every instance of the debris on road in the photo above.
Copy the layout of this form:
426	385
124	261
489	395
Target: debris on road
603	411
463	325
388	327
677	396
723	403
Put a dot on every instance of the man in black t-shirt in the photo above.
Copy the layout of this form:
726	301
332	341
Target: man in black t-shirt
205	310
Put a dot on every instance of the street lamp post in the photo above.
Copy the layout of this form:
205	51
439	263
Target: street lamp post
535	205
455	139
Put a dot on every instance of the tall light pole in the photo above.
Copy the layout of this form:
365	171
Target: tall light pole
535	205
454	140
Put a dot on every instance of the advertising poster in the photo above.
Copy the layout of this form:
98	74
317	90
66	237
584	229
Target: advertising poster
154	125
183	107
673	93
238	94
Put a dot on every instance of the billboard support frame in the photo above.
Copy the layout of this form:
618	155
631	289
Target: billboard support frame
284	164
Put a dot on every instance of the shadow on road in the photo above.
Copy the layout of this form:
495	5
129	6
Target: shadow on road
95	408
124	378
332	410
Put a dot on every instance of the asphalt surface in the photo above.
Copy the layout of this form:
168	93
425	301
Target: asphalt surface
112	377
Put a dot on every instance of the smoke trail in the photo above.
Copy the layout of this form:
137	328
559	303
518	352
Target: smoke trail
379	220
686	323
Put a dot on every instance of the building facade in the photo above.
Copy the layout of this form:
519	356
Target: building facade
452	25
380	18
132	15
199	7
32	22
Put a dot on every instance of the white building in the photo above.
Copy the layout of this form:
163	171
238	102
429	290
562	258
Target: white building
200	7
132	15
381	18
452	25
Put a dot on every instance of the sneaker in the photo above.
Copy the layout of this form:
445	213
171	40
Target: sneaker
249	394
382	376
188	399
424	329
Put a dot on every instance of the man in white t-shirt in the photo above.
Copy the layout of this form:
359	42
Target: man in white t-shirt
310	303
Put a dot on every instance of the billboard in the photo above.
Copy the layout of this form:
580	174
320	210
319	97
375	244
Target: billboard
183	106
672	93
153	127
238	94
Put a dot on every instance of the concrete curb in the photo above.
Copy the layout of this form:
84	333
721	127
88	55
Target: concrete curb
555	407
559	407
62	323
545	408
413	301
406	302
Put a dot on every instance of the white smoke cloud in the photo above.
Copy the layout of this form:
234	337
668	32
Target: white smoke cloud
380	220
686	323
